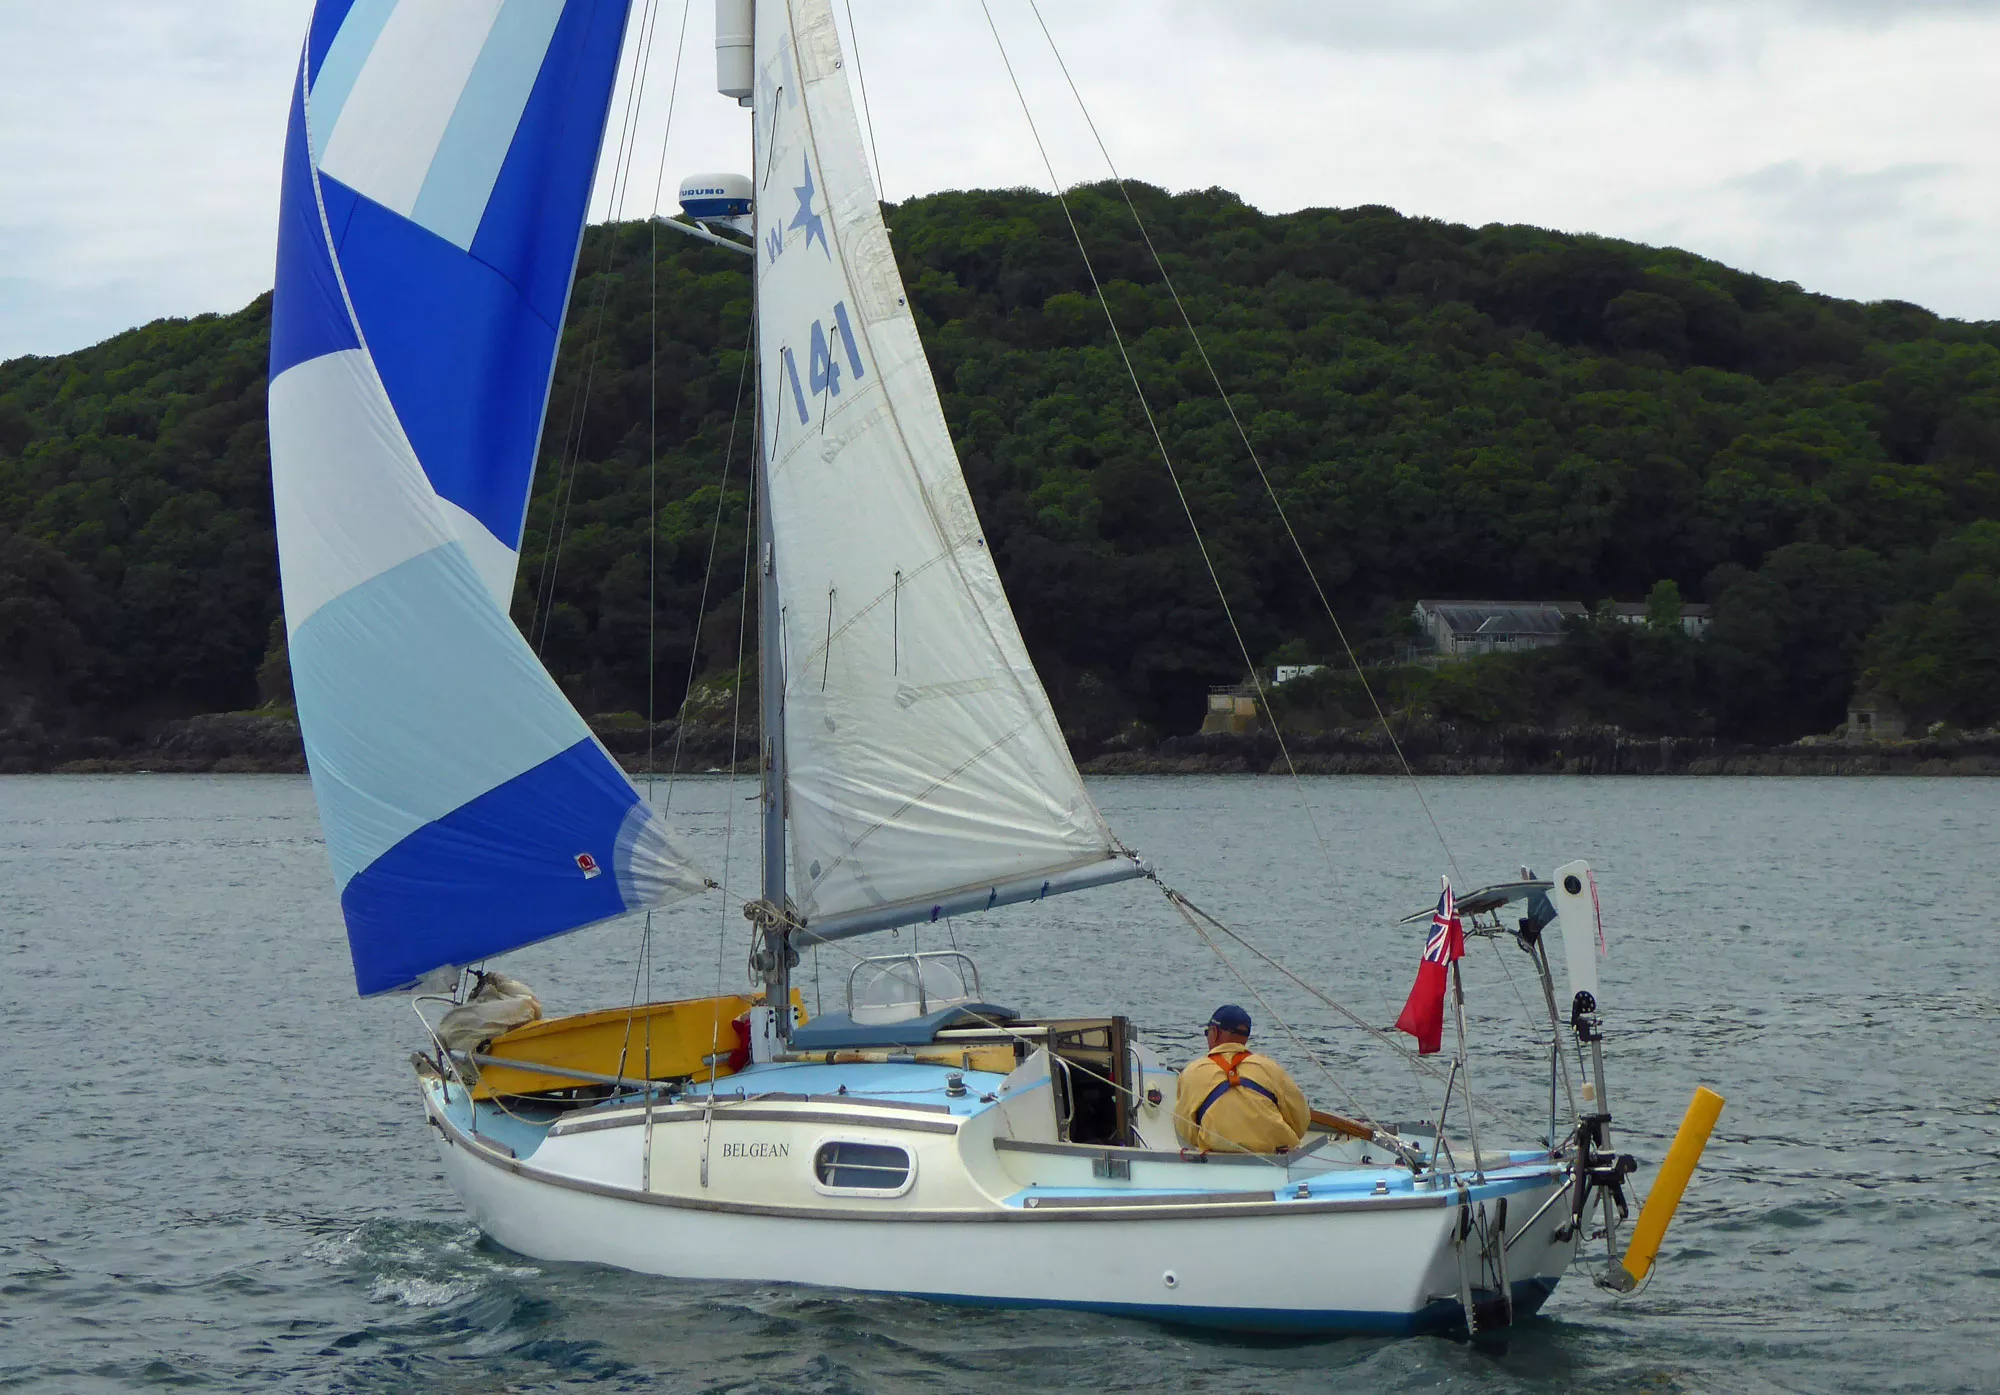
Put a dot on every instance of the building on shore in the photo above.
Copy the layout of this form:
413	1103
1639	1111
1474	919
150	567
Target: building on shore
1872	718
1232	711
1461	629
1694	618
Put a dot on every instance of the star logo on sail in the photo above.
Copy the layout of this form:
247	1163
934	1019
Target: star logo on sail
812	222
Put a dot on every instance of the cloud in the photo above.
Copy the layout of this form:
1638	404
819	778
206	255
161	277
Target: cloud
1843	144
1430	26
139	150
1879	14
1484	26
38	317
1829	197
1898	232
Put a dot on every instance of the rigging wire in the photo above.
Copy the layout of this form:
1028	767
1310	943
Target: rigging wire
571	460
565	456
867	115
1353	1017
1159	440
1243	435
729	799
708	569
1415	1061
645	961
1194	526
1271	1012
742	645
638	967
653	443
1500	958
1249	449
673	100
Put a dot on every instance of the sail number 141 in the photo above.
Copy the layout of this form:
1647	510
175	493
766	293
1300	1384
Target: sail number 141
823	369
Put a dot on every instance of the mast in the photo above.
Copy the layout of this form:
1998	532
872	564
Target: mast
774	955
770	700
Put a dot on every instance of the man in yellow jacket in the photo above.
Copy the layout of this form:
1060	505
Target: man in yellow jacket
1234	1100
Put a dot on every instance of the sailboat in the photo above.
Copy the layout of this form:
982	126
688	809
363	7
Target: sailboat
920	1140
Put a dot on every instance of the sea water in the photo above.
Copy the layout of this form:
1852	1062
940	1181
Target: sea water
214	1172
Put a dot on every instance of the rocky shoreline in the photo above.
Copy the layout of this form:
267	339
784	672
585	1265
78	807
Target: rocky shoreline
239	743
261	743
1444	749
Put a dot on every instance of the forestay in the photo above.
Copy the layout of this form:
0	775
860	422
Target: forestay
436	174
922	757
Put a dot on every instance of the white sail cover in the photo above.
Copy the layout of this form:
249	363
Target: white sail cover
921	754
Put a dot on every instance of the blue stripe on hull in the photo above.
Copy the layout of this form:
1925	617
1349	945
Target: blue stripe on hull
508	859
1442	1317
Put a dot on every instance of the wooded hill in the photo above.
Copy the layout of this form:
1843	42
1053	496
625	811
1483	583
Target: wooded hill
1498	412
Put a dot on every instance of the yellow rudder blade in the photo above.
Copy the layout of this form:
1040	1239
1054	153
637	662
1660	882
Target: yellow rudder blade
1696	1125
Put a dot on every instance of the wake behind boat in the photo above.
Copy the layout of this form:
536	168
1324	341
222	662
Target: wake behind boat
922	1140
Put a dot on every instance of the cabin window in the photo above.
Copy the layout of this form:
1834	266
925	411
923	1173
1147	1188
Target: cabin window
878	1169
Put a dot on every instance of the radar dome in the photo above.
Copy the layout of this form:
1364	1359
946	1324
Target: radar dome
717	198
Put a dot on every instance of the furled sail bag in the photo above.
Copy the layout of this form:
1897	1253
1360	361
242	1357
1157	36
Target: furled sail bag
498	1005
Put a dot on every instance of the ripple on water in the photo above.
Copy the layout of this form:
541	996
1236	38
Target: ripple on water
219	1176
426	1265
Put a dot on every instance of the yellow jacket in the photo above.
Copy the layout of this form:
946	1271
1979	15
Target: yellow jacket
1242	1119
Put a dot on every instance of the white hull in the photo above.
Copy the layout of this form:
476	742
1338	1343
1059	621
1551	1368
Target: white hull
1276	1262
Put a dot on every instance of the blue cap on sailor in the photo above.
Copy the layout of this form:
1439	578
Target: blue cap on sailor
1231	1018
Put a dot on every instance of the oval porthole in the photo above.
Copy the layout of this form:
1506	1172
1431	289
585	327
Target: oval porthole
866	1169
1573	884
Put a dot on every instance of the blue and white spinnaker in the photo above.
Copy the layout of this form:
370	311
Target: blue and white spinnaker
437	170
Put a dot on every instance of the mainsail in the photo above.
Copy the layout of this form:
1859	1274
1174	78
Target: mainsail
436	173
925	772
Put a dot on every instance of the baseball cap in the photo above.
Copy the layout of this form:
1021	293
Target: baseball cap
1230	1018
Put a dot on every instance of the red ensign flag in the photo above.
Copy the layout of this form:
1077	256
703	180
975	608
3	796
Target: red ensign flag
1423	1014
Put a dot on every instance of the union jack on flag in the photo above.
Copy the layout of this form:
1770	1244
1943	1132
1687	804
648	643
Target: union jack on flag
1423	1014
1447	937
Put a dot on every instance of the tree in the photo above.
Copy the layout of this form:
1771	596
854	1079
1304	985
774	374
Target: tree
15	429
1664	607
1646	322
1786	639
1498	411
1940	661
46	652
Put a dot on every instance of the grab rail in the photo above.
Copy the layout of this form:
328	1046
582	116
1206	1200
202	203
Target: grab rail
917	960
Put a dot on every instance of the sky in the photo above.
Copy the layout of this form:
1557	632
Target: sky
1847	145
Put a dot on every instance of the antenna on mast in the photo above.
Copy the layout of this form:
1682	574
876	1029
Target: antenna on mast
735	30
718	200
